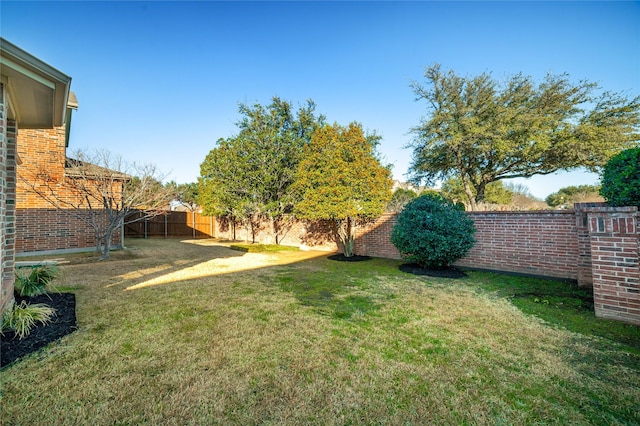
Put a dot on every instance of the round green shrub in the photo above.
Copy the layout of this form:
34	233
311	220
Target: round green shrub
433	232
621	179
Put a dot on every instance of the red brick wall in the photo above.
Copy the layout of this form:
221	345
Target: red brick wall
537	242
51	229
595	245
318	235
42	153
374	239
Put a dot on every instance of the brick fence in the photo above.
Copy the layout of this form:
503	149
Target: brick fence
536	242
595	245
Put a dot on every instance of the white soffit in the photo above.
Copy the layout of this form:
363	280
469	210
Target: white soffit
38	92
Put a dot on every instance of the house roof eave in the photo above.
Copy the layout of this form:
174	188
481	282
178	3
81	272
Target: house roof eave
39	93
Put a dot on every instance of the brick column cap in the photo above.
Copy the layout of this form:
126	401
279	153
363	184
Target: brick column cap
608	209
582	206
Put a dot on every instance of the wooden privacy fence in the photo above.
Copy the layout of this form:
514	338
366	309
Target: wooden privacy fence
171	224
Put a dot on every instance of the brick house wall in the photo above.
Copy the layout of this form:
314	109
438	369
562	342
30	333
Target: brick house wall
8	130
40	226
4	299
32	95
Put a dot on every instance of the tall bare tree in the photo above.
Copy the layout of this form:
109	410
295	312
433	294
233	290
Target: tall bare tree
101	190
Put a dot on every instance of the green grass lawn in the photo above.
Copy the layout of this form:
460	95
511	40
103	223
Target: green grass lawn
177	333
262	248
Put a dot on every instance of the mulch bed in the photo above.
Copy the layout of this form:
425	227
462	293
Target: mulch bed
446	272
342	258
12	348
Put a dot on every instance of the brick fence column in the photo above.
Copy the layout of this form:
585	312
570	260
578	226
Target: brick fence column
614	237
584	275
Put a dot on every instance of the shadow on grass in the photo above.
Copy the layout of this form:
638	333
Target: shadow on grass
337	300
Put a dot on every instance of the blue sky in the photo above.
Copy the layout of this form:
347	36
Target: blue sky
160	82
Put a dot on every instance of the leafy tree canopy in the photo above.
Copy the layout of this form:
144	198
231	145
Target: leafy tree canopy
249	175
569	195
495	192
399	199
484	131
621	179
340	178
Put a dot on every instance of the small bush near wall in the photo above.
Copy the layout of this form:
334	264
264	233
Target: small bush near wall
433	232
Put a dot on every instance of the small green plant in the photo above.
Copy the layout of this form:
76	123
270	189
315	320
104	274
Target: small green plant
21	318
433	232
621	179
35	281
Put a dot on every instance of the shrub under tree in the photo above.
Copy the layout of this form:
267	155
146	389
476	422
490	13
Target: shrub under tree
432	232
621	179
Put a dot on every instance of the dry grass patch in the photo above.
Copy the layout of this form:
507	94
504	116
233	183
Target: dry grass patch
217	336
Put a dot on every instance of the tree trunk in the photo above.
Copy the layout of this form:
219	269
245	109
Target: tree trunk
276	230
480	190
345	233
472	199
98	243
106	250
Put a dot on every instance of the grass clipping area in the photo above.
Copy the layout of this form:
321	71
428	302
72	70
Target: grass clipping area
195	333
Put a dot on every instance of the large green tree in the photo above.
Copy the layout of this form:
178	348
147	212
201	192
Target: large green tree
483	131
341	178
248	176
